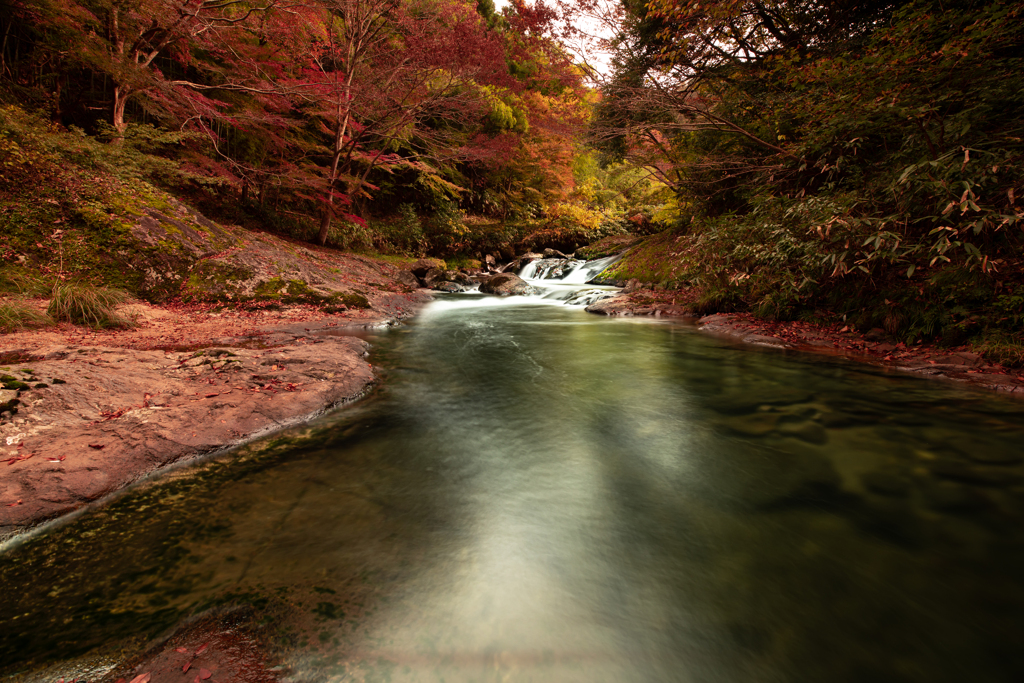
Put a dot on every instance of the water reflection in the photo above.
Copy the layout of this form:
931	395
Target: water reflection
539	494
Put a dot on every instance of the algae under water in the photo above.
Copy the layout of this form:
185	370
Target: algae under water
539	494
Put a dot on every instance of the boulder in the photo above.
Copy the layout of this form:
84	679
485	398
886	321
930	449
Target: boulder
420	268
506	284
436	276
450	287
433	277
554	253
616	305
406	277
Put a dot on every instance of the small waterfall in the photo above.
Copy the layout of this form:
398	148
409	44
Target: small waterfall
566	271
560	279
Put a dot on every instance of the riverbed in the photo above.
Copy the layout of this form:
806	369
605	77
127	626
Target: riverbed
539	494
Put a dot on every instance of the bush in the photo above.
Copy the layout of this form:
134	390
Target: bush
18	314
83	304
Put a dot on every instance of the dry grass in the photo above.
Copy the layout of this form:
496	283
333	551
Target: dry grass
90	306
18	314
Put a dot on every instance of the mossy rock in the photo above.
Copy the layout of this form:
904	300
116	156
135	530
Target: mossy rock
351	299
216	281
16	385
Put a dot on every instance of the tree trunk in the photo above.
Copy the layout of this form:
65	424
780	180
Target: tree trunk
325	224
121	94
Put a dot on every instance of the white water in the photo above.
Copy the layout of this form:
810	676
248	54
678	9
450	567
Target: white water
560	280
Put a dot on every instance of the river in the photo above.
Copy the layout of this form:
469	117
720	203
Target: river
535	493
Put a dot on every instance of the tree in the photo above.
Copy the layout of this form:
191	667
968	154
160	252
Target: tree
398	85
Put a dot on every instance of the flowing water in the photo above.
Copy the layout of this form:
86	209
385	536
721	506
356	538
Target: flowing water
539	494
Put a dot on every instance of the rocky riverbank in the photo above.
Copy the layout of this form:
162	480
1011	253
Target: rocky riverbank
96	411
959	364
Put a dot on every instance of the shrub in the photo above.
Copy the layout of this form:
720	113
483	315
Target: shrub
84	304
18	314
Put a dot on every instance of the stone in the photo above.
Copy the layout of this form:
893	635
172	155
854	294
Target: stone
772	478
757	424
876	334
994	457
949	497
616	305
752	398
962	472
420	268
434	276
886	484
811	432
554	253
407	277
506	284
450	287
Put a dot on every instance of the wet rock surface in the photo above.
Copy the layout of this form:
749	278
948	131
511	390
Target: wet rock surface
101	410
505	284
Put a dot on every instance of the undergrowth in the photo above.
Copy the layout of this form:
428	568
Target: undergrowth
17	314
87	305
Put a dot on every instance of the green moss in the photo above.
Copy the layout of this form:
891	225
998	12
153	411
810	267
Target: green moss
16	385
352	300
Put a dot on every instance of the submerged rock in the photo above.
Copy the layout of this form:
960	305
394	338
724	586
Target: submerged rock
506	284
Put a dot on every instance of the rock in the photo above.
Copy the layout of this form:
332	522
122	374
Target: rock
554	253
406	277
7	395
958	471
772	478
420	268
949	497
450	287
616	305
506	284
434	276
994	457
757	424
811	432
740	403
886	484
876	334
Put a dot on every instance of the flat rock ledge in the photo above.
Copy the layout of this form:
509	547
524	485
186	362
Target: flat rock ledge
958	365
97	418
961	366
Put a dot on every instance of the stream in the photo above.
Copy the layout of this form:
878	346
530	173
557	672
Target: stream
535	493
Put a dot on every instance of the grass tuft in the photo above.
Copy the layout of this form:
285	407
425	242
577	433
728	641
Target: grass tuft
17	314
1007	352
87	305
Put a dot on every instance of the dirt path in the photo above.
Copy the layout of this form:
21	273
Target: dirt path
99	410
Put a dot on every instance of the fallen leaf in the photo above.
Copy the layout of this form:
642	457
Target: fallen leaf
182	650
142	678
205	673
202	649
186	667
17	502
211	395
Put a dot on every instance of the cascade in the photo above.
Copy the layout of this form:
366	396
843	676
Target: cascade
561	279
